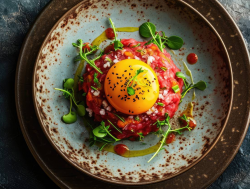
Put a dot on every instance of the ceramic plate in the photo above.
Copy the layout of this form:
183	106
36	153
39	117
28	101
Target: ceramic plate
87	21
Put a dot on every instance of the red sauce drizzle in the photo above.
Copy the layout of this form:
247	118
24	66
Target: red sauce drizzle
170	138
110	33
192	58
120	149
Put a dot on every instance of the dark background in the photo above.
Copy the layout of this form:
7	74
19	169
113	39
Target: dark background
18	168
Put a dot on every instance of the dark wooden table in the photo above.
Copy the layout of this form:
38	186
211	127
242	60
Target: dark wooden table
18	168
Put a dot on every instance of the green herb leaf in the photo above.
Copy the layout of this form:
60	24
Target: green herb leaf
117	43
174	42
83	55
180	75
176	88
69	118
201	85
100	149
97	82
137	118
114	126
122	119
84	94
97	132
136	45
164	69
68	83
140	136
130	91
145	31
93	88
160	104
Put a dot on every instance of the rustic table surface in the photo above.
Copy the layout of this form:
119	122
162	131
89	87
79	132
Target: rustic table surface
18	168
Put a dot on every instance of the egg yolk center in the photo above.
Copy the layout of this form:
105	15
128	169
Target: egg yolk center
131	86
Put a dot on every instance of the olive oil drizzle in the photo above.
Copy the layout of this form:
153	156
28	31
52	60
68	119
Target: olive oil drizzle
97	41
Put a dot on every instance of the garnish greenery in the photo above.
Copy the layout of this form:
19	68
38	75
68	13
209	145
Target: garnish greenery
114	126
130	89
97	82
68	92
93	88
201	85
164	69
137	118
136	45
140	136
122	119
117	43
160	103
166	133
148	29
176	88
101	134
83	55
80	79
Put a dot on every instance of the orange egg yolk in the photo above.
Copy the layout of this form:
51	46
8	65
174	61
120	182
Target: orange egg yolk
144	85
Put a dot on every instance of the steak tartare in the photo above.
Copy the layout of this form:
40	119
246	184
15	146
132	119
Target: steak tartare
132	126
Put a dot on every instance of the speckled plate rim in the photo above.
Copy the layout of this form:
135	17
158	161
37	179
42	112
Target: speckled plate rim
33	149
121	182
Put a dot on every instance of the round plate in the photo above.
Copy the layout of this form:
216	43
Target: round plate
239	130
211	107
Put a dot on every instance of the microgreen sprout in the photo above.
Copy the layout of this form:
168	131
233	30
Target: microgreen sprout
160	103
93	88
68	92
122	119
148	29
169	130
201	85
83	55
103	135
130	89
137	118
176	88
140	136
114	126
164	69
117	43
96	81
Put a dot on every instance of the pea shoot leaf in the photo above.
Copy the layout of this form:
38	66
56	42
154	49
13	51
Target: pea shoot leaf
145	31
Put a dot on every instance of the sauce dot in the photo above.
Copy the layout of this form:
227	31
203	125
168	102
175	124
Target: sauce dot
192	123
192	58
120	149
170	138
110	33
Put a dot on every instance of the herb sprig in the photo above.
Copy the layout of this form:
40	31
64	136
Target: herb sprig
169	130
201	85
83	55
117	43
68	93
130	89
148	29
102	134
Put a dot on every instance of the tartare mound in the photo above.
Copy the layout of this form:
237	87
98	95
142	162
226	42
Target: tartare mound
165	69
